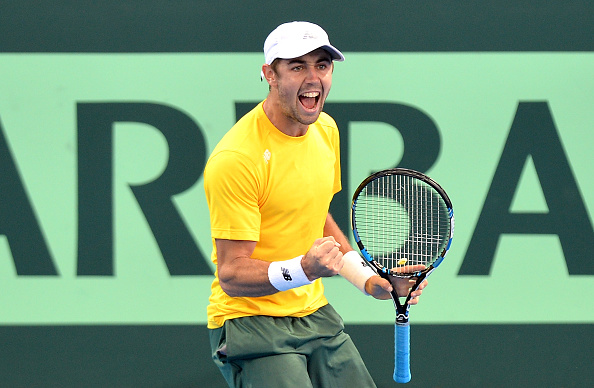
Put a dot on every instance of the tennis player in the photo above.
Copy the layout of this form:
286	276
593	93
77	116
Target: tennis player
269	183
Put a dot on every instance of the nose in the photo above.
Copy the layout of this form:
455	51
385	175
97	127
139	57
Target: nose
312	73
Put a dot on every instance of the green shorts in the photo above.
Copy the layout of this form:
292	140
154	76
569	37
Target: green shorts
312	351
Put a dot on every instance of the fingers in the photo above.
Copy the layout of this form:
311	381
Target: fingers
380	288
414	296
324	258
326	245
404	285
409	268
329	254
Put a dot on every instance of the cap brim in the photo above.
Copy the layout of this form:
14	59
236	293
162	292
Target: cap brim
334	52
293	52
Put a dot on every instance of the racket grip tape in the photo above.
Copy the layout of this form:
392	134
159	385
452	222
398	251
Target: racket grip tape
402	353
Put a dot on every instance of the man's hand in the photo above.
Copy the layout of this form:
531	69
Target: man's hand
323	259
380	288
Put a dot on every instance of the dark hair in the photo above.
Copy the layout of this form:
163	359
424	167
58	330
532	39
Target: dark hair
273	66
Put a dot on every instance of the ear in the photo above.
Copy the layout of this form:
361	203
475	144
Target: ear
269	74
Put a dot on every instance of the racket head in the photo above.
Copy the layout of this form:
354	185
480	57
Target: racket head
402	222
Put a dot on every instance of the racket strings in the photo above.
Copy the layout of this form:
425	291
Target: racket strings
402	221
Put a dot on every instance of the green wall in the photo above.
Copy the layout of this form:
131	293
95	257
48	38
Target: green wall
108	112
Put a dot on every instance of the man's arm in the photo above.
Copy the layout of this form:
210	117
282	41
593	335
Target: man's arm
331	228
241	275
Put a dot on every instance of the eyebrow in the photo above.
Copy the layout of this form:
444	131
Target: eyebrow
295	61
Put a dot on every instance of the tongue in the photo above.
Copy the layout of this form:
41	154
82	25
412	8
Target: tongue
308	102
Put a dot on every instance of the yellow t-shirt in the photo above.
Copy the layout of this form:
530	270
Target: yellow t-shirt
262	185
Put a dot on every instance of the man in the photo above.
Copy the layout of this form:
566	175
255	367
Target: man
269	183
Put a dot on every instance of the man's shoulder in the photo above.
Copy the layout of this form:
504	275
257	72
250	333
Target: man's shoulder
242	133
325	120
240	145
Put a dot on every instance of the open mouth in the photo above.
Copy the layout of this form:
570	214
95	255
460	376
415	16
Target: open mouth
309	100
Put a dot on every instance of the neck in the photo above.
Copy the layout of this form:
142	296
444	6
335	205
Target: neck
283	123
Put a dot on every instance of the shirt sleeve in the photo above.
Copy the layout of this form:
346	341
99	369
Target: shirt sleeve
231	188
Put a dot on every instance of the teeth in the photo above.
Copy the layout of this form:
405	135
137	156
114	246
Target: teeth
311	94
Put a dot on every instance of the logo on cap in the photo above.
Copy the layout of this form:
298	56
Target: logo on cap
309	35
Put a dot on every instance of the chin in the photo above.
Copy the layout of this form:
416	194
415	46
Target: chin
309	119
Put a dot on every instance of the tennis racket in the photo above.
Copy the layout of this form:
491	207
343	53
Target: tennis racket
403	223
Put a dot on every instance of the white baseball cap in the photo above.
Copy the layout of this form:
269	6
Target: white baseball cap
294	39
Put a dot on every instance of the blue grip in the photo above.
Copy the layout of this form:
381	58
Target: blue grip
402	353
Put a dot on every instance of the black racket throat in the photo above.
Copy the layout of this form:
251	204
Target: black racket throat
401	302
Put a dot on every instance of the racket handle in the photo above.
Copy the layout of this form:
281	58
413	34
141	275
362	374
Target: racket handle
402	353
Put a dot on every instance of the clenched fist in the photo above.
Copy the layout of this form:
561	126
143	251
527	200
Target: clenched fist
323	259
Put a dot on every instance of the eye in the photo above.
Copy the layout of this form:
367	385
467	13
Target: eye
325	65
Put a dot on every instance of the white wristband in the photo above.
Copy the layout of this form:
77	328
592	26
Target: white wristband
284	275
355	270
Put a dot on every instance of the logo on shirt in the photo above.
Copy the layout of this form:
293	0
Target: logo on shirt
286	274
267	156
